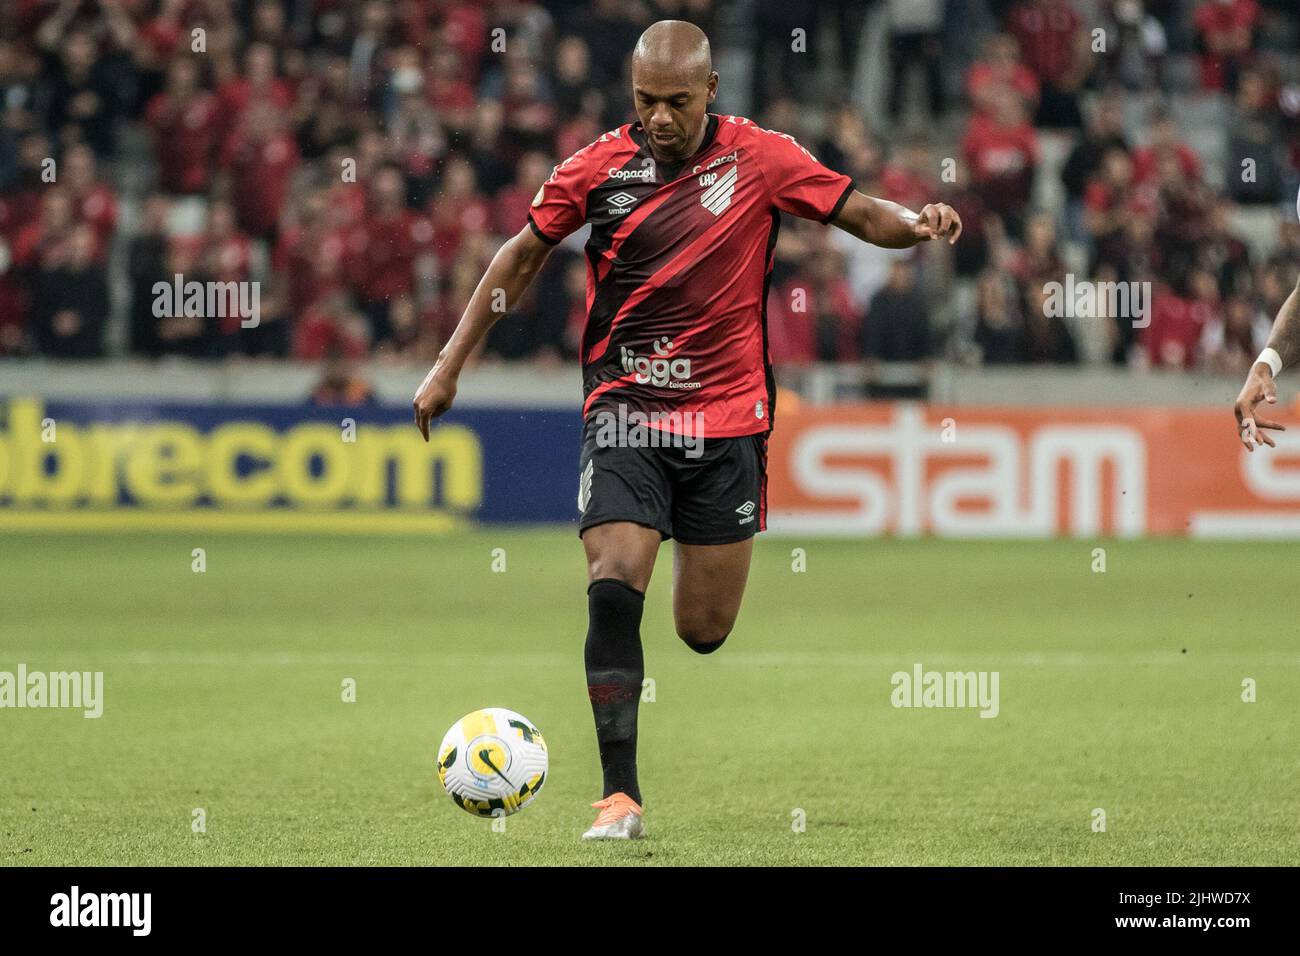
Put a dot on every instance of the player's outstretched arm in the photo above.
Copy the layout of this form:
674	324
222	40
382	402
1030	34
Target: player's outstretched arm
513	268
1283	351
884	223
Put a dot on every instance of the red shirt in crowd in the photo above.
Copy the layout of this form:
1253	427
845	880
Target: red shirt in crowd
382	254
792	335
261	172
1001	160
1022	80
312	265
1175	331
1146	160
187	140
1215	21
97	207
453	216
1048	34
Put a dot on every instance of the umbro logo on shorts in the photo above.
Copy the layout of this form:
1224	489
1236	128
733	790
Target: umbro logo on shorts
747	509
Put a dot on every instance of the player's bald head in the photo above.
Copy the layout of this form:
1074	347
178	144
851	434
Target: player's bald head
673	84
674	47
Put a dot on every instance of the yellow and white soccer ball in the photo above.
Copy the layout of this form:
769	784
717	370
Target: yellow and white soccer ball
492	762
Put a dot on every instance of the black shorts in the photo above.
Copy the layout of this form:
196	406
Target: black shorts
715	493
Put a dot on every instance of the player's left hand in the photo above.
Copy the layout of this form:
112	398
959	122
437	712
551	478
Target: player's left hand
1259	387
937	221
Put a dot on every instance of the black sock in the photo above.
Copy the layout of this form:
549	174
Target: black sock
615	668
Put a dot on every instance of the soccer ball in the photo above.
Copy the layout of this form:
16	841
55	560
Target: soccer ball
492	762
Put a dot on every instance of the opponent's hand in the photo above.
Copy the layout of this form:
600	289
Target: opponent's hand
937	221
433	397
1259	387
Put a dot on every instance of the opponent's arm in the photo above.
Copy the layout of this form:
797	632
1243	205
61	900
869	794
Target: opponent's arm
1260	386
513	268
884	223
1285	337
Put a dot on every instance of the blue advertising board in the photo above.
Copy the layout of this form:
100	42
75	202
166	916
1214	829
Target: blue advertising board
362	468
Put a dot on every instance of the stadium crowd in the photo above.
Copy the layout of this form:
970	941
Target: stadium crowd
363	160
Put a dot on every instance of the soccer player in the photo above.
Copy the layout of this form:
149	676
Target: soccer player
684	207
1282	351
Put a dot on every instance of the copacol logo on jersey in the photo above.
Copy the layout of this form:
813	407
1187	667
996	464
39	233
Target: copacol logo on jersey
661	370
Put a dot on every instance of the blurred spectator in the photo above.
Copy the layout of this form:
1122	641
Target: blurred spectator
1039	261
1055	46
1109	201
84	92
341	384
572	75
309	254
897	325
1225	32
384	251
999	320
1001	69
1164	143
610	36
510	209
147	265
191	336
1002	152
916	39
331	325
93	201
261	157
225	256
1222	253
460	209
1233	340
781	60
1105	131
1256	166
71	299
1048	339
186	123
810	315
1178	322
907	177
1136	46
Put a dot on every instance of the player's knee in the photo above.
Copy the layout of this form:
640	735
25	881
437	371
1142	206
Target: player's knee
614	569
704	634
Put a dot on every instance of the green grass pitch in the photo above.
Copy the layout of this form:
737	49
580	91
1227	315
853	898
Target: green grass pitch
1119	690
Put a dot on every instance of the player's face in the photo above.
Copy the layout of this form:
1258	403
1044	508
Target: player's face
672	108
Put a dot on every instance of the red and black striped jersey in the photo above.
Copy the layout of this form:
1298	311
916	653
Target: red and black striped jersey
678	263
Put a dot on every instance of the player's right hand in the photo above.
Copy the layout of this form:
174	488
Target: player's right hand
1259	387
433	397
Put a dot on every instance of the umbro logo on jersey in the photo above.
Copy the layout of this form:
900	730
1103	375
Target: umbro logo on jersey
621	202
717	195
